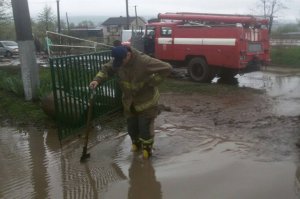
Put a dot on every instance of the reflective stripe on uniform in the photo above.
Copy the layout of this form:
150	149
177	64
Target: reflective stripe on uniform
149	103
130	86
157	78
100	75
147	142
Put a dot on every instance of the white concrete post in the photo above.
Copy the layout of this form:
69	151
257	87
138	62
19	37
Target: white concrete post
30	69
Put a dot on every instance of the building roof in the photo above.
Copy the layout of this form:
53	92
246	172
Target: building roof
119	21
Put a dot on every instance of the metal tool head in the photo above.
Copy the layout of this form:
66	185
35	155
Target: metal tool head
84	157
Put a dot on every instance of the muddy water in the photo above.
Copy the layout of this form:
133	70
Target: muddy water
212	171
189	165
205	147
283	88
33	165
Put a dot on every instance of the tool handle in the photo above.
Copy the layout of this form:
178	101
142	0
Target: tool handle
89	115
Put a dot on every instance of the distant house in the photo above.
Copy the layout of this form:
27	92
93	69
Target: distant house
113	26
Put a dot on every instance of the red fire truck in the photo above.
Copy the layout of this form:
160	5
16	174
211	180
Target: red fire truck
209	44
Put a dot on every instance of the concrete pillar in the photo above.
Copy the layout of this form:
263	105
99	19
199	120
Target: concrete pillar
30	72
30	69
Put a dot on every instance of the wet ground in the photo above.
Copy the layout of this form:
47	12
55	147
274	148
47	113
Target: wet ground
41	60
238	145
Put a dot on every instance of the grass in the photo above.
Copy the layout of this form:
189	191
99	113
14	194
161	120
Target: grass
286	56
12	103
11	81
19	111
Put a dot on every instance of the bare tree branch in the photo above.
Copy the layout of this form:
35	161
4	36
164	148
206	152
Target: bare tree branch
270	9
5	11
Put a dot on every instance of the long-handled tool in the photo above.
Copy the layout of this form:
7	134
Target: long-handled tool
86	155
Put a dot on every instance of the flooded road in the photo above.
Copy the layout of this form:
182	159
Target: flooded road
240	145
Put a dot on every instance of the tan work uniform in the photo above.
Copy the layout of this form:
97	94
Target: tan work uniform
138	81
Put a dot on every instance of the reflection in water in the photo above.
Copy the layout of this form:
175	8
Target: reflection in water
34	166
142	182
284	89
39	163
89	179
28	166
15	181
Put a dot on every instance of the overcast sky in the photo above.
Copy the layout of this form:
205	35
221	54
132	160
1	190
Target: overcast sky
153	7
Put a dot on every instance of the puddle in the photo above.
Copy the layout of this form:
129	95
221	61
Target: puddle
282	86
284	89
203	165
217	173
34	166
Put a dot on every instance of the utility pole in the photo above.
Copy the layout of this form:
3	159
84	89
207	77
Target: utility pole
58	17
29	67
127	16
68	24
136	18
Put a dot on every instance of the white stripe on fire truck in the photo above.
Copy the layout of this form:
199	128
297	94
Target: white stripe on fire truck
199	41
164	40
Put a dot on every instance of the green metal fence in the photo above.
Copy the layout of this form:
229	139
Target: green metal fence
71	76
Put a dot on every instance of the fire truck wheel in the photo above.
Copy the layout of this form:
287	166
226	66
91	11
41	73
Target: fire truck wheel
199	70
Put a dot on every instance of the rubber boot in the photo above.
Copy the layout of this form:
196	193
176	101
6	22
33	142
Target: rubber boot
147	148
136	145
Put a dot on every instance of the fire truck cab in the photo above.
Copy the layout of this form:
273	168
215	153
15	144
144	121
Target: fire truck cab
209	44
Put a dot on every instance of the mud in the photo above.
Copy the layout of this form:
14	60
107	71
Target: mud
238	145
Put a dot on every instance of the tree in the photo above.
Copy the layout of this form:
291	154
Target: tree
7	30
270	8
4	14
46	19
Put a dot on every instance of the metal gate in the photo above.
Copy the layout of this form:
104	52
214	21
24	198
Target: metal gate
71	76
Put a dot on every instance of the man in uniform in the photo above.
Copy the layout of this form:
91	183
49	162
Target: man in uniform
139	75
